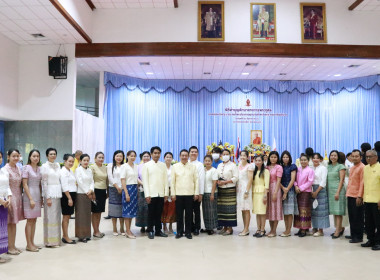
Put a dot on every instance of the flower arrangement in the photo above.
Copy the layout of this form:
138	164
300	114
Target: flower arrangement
258	150
226	145
173	162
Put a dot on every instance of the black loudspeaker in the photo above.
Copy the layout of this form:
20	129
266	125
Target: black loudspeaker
58	67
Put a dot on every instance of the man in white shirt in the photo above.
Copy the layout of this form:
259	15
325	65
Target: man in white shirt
196	225
156	191
184	190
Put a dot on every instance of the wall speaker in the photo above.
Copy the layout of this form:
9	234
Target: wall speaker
58	67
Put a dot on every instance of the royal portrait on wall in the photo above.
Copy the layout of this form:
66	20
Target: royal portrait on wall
313	22
211	21
263	22
256	137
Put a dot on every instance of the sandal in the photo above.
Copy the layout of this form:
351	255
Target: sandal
244	234
227	232
13	253
115	233
272	235
130	236
285	235
98	236
3	260
260	234
32	250
256	233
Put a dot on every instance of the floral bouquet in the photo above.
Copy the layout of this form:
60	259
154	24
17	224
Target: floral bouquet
221	146
258	150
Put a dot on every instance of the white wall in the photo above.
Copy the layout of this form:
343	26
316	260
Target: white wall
180	25
8	78
80	12
40	96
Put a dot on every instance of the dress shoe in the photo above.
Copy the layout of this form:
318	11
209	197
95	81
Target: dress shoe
84	240
151	235
179	235
107	217
161	234
189	236
203	230
88	238
348	237
210	232
354	240
367	244
298	233
302	234
219	228
196	232
376	247
142	230
66	242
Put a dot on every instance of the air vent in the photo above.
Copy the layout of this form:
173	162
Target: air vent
282	74
353	66
38	35
207	73
144	63
251	64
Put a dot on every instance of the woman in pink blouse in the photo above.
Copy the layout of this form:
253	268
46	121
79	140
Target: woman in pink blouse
274	208
303	185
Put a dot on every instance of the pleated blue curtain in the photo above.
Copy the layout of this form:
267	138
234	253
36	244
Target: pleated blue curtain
176	114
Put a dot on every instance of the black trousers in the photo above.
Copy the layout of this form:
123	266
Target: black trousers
184	203
155	208
372	222
196	216
356	217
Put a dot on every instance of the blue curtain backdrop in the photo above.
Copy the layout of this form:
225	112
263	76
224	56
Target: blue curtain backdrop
176	114
2	143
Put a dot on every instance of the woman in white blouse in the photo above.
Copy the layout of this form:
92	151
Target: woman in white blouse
5	201
52	193
320	210
69	192
228	174
85	195
115	207
128	176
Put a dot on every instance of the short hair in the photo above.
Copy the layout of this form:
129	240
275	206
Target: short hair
168	153
51	149
193	148
83	156
377	146
365	147
183	150
67	156
226	150
78	152
143	153
355	151
304	155
373	152
31	153
155	148
217	150
348	154
318	155
207	156
98	153
333	151
274	153
130	152
309	152
10	151
289	155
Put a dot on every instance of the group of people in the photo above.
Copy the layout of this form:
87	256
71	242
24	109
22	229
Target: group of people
157	193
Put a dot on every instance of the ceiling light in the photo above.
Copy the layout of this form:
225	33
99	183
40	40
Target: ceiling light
38	35
149	73
374	66
282	74
251	64
207	73
144	63
245	74
337	75
314	65
283	64
353	66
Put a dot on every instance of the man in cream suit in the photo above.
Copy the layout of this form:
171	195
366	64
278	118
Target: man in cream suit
156	191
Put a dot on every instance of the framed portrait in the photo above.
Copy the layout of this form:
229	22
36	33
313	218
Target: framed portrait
256	137
211	21
313	22
263	22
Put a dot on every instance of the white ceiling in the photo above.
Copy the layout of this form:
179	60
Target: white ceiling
268	68
21	18
369	5
112	4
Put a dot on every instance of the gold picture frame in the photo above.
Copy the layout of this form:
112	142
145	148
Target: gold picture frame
256	140
313	23
210	20
258	32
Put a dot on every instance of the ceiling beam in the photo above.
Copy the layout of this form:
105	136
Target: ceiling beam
92	6
227	49
355	4
175	3
70	19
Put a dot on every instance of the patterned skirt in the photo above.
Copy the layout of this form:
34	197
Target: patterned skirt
130	208
115	207
303	220
290	205
52	223
274	208
210	211
3	230
16	211
168	213
320	215
336	207
142	211
30	213
82	216
227	216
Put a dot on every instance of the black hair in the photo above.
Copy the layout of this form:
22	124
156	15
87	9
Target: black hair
365	147
304	155
226	150
114	161
99	153
83	156
129	153
309	152
348	154
155	148
355	151
274	153
318	155
246	153
51	149
10	151
262	169
290	158
208	156
333	151
193	148
168	153
377	146
217	150
144	153
67	156
342	158
30	154
183	150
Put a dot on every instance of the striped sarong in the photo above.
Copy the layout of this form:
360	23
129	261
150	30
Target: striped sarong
227	216
3	230
210	211
303	220
52	222
320	215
